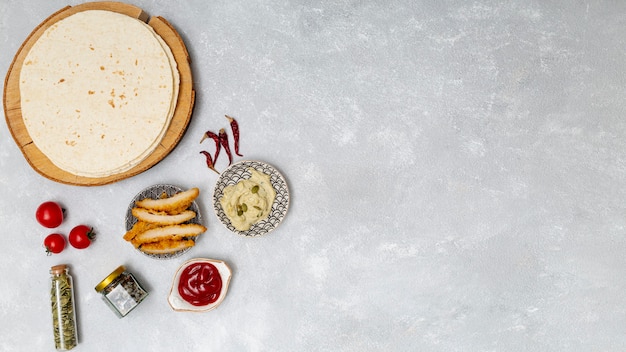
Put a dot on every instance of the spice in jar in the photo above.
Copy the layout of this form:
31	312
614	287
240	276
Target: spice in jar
121	291
63	309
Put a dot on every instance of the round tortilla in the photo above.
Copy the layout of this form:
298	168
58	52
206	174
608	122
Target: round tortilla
98	91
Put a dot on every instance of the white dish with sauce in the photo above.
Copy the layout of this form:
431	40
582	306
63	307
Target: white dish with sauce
178	303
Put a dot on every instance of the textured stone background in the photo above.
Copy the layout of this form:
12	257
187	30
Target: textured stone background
457	174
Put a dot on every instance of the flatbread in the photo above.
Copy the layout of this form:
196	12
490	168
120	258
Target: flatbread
98	92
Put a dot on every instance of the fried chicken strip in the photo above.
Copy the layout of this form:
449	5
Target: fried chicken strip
169	232
171	205
166	246
139	227
162	218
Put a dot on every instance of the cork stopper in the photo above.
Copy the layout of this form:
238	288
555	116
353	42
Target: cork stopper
58	269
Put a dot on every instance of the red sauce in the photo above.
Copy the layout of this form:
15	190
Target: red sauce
200	284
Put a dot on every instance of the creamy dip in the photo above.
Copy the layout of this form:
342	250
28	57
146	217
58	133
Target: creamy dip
249	201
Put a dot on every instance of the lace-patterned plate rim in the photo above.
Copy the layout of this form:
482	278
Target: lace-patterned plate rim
155	192
239	171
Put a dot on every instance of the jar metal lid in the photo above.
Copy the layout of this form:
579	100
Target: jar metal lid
104	283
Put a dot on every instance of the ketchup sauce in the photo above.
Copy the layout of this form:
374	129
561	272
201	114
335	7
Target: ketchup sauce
200	284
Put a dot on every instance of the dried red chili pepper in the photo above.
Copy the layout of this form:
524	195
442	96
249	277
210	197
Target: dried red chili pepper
209	162
224	141
234	126
216	139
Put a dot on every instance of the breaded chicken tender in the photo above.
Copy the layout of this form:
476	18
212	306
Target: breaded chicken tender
171	205
169	232
162	218
139	227
166	246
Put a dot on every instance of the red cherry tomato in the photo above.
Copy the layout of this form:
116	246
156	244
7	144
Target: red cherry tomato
81	236
49	214
54	243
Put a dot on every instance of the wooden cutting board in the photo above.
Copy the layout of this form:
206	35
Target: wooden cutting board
178	125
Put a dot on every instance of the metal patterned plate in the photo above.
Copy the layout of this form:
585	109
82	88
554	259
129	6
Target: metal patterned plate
239	171
156	192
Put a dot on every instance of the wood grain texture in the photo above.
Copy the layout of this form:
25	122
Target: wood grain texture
182	113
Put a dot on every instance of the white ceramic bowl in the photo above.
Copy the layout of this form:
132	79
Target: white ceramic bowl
179	304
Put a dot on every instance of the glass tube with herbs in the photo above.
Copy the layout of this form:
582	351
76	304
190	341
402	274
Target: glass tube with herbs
63	308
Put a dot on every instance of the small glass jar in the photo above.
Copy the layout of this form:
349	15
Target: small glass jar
63	308
121	291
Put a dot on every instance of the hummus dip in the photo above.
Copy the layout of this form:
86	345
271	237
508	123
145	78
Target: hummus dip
249	201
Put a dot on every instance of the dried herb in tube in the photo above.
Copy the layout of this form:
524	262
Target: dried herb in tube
63	309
